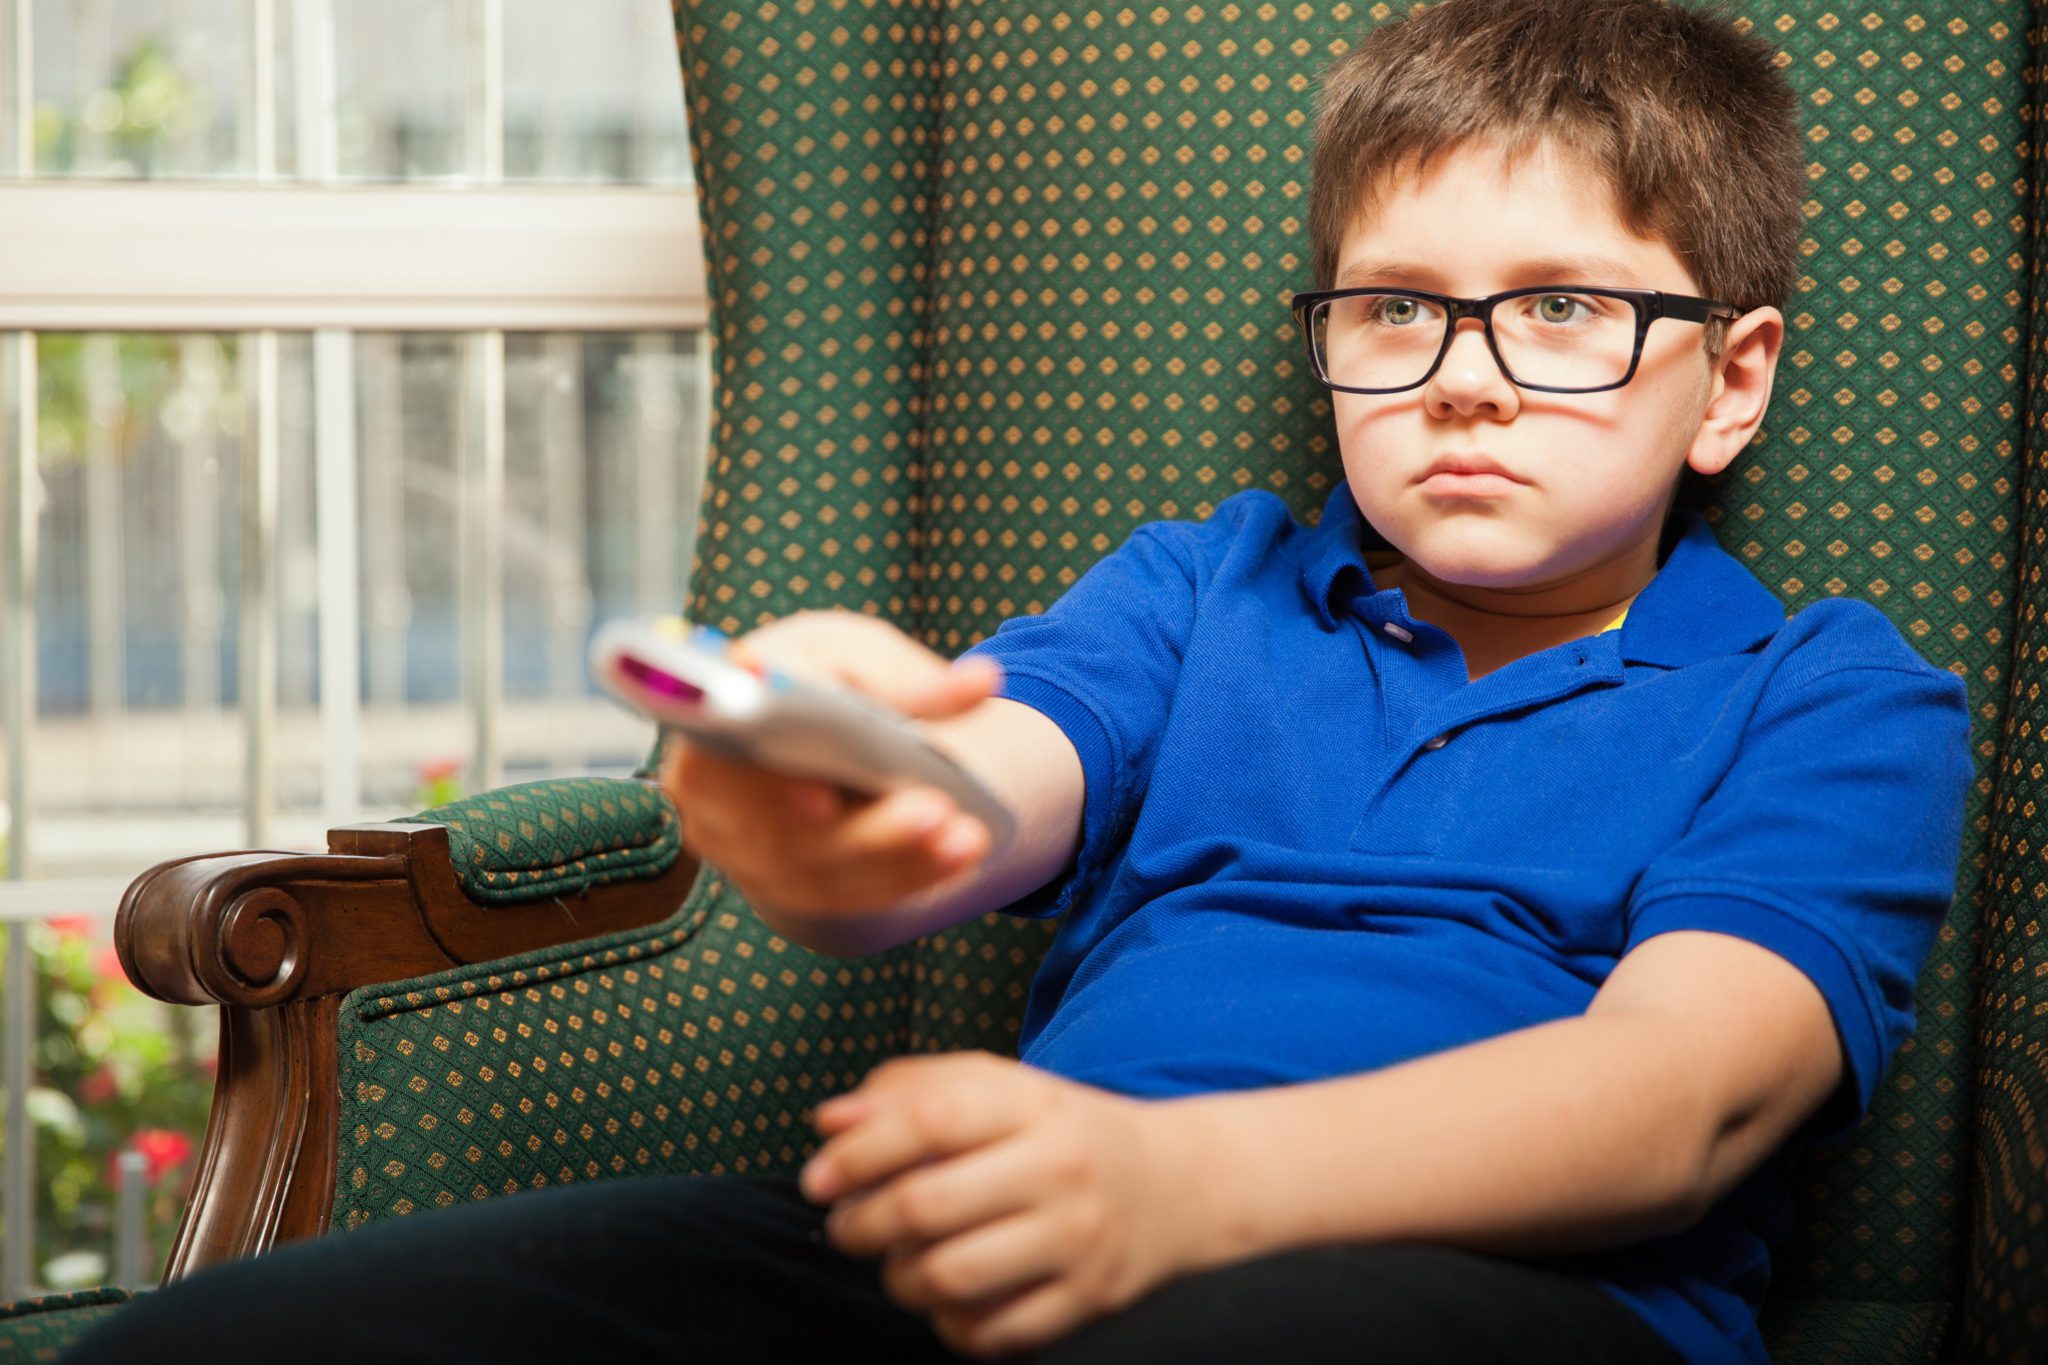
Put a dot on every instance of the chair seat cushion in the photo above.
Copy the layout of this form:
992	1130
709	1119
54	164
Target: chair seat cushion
40	1330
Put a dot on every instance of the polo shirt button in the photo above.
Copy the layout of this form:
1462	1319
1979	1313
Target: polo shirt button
1438	742
1403	636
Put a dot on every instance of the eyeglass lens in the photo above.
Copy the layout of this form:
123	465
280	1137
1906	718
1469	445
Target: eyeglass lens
1561	340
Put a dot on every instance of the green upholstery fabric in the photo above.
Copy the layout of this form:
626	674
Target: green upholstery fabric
36	1331
685	1046
1855	1332
1899	395
557	837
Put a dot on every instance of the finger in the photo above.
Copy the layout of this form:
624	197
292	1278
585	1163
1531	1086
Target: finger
955	689
997	1260
669	771
1022	1322
841	1111
945	1199
761	798
904	675
810	804
934	1120
777	867
736	794
885	825
882	855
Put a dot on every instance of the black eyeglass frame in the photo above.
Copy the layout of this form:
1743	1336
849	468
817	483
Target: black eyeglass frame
1650	304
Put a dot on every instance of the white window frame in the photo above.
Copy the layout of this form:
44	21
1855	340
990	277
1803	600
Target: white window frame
129	257
260	256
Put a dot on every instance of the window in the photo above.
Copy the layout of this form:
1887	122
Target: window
353	368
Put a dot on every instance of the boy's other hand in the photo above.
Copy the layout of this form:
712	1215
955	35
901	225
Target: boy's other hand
1010	1204
812	848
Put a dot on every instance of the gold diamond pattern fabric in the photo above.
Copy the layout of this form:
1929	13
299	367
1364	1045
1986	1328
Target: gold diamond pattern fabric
1857	1332
689	1046
37	1331
2003	1302
812	128
1888	469
556	837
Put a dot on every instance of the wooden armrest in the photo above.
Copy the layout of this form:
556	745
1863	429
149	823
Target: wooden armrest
275	940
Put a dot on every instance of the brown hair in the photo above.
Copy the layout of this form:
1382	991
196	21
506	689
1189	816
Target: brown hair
1690	121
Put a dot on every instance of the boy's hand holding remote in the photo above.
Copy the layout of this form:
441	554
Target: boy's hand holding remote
845	872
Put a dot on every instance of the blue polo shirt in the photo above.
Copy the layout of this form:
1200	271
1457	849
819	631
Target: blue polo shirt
1312	847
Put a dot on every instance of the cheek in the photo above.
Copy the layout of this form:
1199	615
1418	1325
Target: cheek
1361	423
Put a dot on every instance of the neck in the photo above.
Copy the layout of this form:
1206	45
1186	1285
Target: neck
1521	620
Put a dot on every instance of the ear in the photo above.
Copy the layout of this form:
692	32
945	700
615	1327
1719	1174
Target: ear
1738	390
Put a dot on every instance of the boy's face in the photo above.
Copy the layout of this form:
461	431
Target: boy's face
1596	469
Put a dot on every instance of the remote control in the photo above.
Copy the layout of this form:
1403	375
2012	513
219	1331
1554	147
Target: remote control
682	678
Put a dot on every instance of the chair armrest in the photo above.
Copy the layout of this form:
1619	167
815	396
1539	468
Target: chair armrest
276	939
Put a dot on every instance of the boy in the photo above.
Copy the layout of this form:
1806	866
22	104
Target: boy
1467	905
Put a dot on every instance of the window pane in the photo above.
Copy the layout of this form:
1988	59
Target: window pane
404	70
142	441
592	92
156	88
168	89
603	465
8	96
145	445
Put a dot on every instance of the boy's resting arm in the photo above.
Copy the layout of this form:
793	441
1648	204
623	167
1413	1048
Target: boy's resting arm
1029	763
1700	1055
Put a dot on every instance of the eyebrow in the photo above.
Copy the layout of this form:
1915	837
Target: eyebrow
1549	270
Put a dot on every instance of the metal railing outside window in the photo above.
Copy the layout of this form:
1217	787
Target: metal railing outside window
352	367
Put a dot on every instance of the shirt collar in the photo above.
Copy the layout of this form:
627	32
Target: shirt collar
1702	603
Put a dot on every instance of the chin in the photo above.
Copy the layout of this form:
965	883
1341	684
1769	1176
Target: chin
1485	560
1465	574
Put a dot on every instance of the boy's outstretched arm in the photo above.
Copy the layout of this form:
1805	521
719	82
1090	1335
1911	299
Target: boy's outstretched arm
1701	1054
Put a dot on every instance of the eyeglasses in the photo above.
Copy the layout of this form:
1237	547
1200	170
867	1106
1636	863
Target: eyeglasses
1565	339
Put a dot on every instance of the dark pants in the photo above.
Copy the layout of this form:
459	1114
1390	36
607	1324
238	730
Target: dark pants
711	1269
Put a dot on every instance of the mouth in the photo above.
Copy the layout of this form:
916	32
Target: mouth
1469	485
1468	474
1466	462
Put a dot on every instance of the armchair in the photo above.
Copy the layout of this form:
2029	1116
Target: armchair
992	285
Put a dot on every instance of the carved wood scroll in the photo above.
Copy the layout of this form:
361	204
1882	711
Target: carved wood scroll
275	940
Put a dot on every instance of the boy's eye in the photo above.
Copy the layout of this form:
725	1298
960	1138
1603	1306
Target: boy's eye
1395	311
1560	307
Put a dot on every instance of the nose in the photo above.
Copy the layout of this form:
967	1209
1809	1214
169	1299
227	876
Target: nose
1469	377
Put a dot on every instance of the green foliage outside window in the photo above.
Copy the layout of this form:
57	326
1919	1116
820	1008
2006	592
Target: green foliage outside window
112	1069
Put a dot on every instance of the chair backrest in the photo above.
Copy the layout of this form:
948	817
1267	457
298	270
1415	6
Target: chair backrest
995	283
